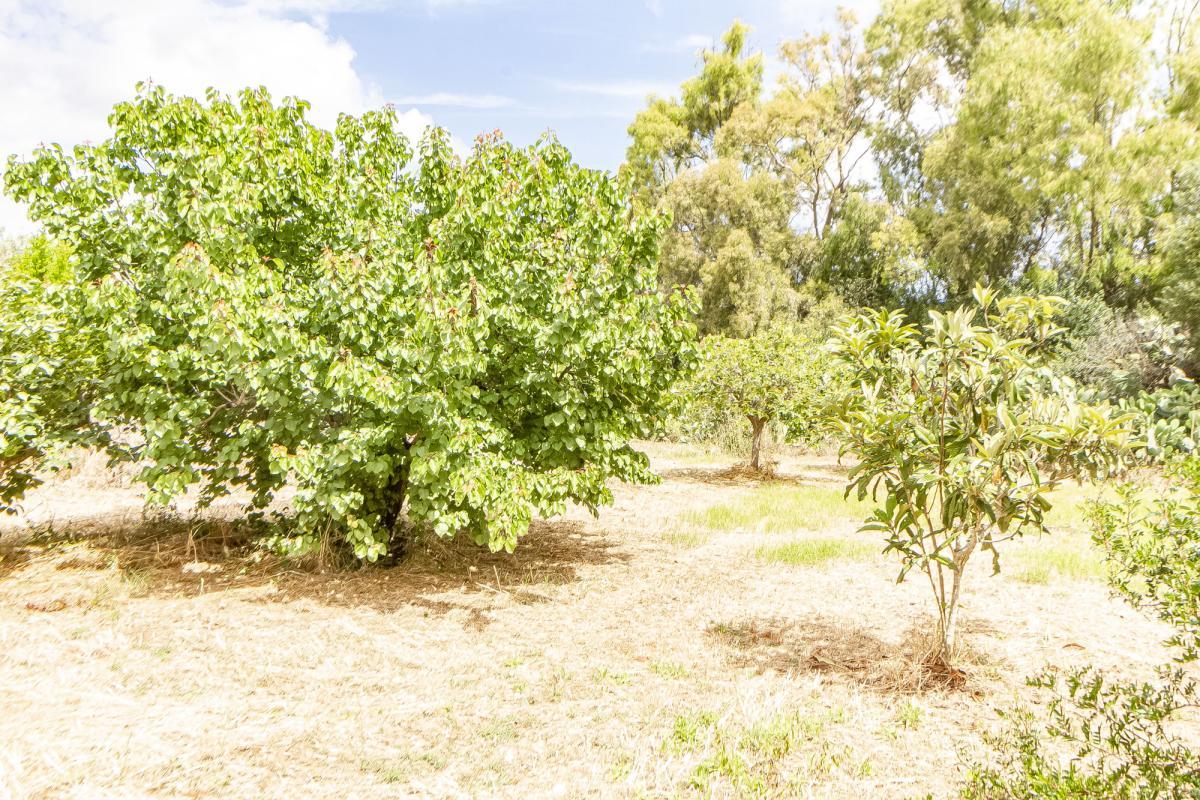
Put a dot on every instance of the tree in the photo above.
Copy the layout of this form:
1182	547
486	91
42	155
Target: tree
1119	731
468	342
964	432
731	237
672	135
812	133
871	258
1181	262
731	240
1051	143
47	367
782	374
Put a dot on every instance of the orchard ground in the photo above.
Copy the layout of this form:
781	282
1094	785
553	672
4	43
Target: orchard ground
711	636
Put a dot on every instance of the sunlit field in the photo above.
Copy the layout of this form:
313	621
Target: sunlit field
711	636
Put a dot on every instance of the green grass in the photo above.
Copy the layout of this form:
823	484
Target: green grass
760	759
815	552
669	669
1068	509
779	507
1062	557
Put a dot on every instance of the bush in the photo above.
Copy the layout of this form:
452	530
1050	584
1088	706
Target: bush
1167	421
47	369
472	342
1116	734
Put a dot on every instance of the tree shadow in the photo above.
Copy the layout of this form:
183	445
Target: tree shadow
173	556
743	475
825	646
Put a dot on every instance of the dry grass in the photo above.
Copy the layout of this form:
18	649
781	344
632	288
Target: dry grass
629	656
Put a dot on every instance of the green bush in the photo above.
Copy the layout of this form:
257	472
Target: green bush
47	370
1167	421
1112	738
467	341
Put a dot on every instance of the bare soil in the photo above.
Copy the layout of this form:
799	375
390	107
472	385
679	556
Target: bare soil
158	657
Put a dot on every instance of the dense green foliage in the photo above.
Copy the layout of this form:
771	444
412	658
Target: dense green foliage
781	375
961	431
472	341
47	365
1113	738
946	143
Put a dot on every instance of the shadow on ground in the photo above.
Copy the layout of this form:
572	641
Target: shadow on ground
171	556
742	475
824	645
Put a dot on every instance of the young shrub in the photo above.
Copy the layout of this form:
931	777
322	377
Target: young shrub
780	375
467	341
1117	733
964	432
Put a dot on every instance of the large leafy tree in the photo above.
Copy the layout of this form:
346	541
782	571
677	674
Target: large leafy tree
471	341
961	432
1020	134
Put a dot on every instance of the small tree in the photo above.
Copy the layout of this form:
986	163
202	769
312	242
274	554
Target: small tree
964	432
467	341
781	374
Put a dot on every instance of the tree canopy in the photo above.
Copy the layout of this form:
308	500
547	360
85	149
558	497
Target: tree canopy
470	341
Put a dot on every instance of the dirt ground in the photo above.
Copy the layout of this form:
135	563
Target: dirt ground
633	655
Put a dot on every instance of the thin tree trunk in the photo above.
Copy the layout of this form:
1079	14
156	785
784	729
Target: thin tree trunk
948	617
758	426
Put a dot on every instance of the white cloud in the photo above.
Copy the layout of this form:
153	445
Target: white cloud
458	100
66	62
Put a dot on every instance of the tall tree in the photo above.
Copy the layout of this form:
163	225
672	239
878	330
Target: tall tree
731	236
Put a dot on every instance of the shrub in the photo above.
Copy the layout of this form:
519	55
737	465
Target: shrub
965	432
1116	733
1167	421
470	341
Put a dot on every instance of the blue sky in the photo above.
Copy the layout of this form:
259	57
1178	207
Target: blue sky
582	69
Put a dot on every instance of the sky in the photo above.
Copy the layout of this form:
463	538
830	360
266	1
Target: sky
581	68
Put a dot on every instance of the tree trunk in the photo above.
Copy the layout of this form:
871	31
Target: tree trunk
947	609
398	491
758	427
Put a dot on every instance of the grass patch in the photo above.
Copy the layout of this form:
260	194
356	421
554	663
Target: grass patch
669	669
1075	560
771	757
686	538
780	507
815	552
1069	505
